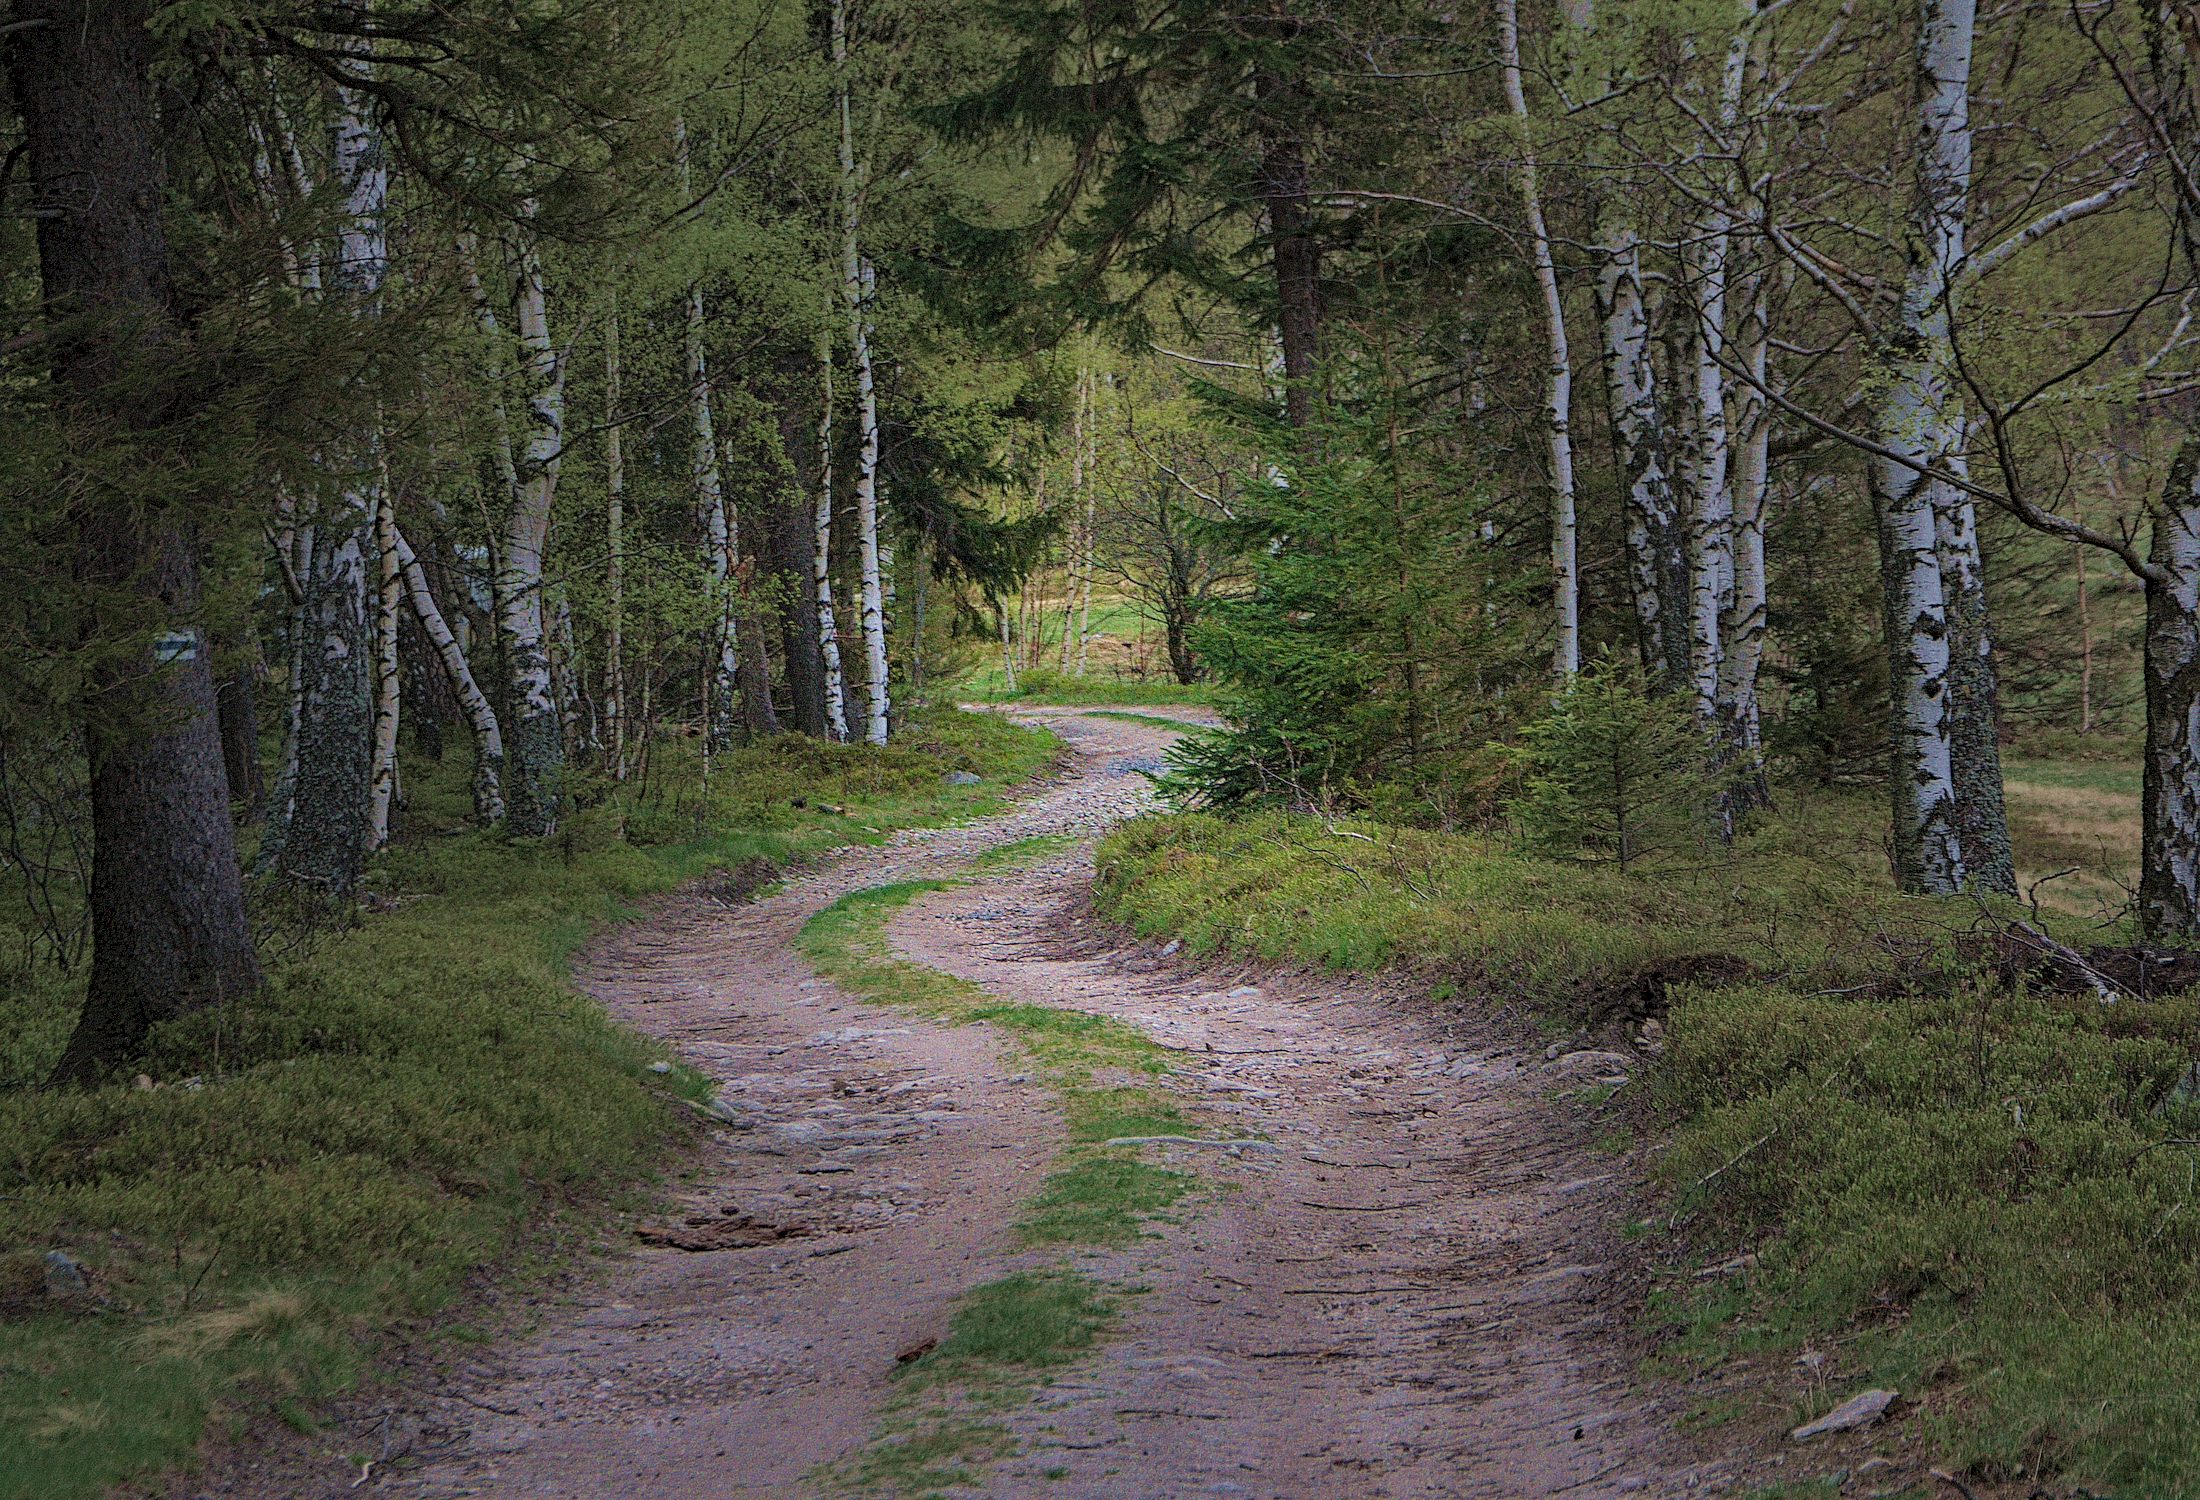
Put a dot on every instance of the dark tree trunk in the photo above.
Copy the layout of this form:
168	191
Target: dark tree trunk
169	933
240	731
429	701
753	681
1974	724
1298	273
1292	247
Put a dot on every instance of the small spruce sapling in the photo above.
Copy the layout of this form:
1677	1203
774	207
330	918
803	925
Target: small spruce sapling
1611	771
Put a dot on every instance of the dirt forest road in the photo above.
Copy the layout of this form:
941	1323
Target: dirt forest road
1409	1298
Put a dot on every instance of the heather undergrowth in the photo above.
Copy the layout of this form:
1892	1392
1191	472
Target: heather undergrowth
406	1095
1948	1181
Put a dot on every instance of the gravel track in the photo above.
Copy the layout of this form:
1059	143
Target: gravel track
1409	1299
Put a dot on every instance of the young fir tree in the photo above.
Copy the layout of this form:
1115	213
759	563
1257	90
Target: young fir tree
1613	772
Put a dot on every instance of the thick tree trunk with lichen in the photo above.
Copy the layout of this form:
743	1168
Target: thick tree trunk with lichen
169	934
2169	866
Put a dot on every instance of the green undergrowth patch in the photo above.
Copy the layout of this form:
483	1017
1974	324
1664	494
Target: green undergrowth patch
1805	895
1975	1192
1989	1195
847	943
411	1091
1099	1198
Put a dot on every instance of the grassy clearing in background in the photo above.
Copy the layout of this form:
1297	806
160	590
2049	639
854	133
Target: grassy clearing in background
402	1098
1979	1195
1043	685
941	1428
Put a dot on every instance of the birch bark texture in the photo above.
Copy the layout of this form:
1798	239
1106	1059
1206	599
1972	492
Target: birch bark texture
1558	379
821	554
534	740
1917	416
856	288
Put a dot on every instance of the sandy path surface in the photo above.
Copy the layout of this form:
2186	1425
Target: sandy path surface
1409	1298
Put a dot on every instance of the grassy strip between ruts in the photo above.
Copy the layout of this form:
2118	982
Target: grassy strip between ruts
332	1158
1947	1184
943	1423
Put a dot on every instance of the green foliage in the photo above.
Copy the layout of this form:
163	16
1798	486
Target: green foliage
1807	893
1099	1199
1375	636
1044	685
1612	771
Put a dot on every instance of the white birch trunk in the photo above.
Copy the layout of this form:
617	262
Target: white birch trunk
855	288
614	666
1558	374
481	717
388	694
724	706
1709	459
1913	418
821	557
1744	625
534	748
1656	545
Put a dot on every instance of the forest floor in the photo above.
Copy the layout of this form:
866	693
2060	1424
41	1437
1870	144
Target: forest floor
1405	1278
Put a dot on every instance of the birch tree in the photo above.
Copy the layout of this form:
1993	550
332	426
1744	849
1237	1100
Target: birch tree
1558	381
821	553
1924	523
720	537
534	743
856	285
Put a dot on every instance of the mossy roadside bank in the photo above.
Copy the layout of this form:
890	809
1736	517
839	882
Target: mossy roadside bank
1904	1169
407	1097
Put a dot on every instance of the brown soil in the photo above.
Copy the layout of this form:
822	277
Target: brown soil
1418	1295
